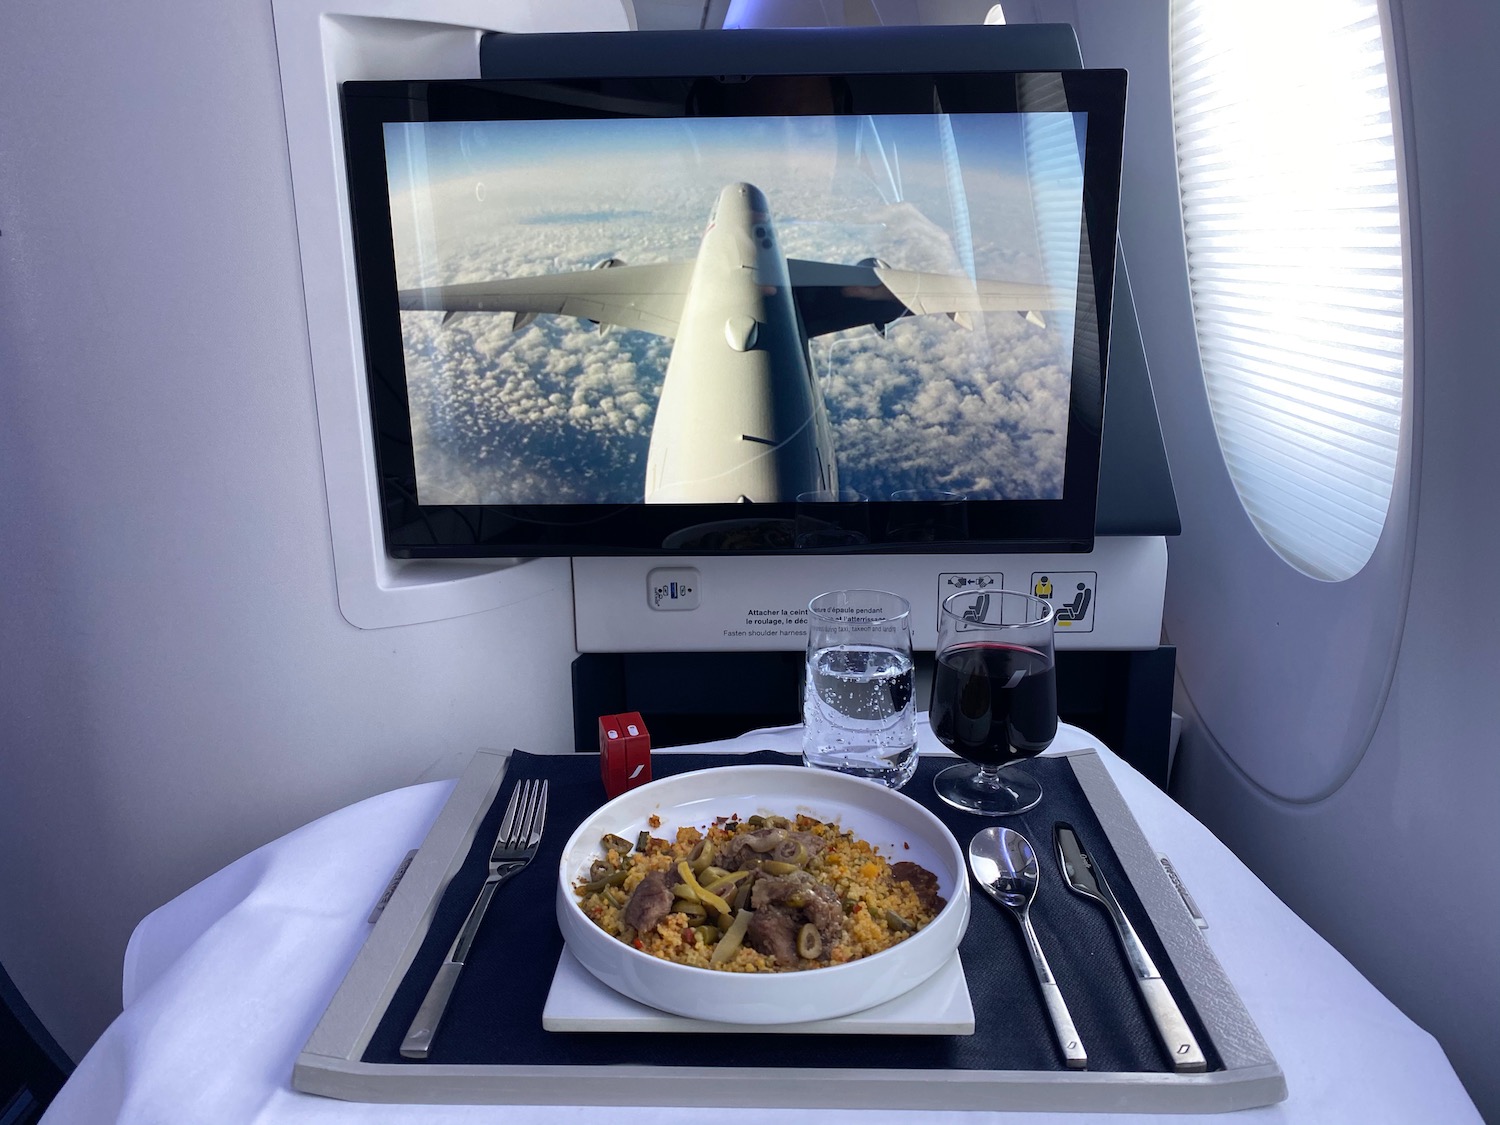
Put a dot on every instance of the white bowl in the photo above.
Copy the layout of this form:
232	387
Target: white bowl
895	825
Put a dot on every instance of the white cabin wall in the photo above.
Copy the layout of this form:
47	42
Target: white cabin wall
178	683
1393	860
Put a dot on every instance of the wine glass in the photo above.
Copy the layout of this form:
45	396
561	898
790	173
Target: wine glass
994	697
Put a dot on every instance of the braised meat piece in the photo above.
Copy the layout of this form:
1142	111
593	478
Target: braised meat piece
783	904
804	898
924	882
774	933
650	902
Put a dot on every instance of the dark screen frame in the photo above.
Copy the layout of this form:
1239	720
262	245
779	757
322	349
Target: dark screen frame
412	530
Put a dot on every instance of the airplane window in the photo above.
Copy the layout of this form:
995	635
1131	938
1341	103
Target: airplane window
1287	167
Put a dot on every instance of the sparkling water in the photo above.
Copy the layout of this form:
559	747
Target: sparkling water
858	714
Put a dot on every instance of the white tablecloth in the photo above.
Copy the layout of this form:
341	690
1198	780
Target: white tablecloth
224	984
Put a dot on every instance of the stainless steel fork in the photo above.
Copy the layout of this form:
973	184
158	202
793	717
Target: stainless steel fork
515	846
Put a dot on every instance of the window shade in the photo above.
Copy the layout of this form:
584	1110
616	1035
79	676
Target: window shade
1287	168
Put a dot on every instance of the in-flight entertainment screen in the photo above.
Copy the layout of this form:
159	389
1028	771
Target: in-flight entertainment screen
617	317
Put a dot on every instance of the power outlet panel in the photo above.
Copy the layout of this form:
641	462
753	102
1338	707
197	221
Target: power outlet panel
674	588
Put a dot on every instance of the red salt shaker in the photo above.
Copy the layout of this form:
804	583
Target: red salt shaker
624	752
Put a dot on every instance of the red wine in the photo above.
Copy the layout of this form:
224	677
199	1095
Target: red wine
993	703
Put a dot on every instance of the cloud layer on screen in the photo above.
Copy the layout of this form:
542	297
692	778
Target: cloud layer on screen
559	413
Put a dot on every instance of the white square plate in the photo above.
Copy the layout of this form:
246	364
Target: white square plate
940	1005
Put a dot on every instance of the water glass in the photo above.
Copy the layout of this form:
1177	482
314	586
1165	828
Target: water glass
858	713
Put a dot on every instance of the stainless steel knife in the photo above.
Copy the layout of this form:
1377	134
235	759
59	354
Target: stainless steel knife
1085	880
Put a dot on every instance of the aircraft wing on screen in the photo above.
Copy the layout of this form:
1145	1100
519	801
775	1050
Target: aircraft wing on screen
648	298
833	297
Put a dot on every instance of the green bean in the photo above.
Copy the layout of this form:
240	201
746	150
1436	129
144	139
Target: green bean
615	896
733	937
643	840
707	898
742	896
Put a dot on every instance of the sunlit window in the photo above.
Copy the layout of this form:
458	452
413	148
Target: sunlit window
1287	165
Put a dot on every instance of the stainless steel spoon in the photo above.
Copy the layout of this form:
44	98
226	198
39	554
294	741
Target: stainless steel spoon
1004	864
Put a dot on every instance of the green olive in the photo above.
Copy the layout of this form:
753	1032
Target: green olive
777	867
693	910
790	850
701	855
616	843
725	885
809	943
765	842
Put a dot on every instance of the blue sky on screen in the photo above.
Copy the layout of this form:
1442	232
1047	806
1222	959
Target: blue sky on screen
430	152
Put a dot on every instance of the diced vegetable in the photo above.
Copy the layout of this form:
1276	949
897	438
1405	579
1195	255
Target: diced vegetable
613	879
896	922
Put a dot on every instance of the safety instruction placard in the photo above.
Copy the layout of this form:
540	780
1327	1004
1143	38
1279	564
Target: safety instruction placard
1072	594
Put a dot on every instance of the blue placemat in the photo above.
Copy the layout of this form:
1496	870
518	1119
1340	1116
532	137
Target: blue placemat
495	1016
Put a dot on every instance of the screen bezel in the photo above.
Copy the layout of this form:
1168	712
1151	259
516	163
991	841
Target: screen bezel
412	530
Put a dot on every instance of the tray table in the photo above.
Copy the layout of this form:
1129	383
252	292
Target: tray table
493	1048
